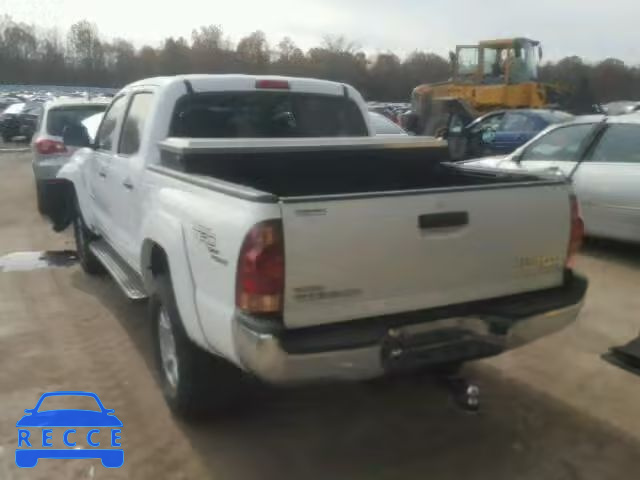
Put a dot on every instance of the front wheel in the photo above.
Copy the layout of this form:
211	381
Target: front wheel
83	236
194	382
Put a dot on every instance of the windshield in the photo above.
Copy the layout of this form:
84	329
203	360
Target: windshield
266	114
60	117
383	126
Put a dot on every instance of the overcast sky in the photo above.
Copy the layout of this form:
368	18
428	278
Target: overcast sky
593	29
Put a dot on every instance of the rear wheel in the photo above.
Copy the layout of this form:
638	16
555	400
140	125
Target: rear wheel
83	236
6	138
194	382
41	198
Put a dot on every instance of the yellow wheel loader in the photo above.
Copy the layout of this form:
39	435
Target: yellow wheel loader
493	75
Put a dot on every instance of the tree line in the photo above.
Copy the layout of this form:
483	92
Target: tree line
82	57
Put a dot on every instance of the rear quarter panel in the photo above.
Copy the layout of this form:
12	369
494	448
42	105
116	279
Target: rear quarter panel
201	231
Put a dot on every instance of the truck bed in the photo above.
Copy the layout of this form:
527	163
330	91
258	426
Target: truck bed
333	166
373	227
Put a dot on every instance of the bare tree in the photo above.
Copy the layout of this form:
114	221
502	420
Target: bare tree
253	52
28	55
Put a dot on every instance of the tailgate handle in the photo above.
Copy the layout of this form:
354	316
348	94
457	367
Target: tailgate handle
443	220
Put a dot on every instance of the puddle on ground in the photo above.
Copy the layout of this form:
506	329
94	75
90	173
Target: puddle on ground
26	261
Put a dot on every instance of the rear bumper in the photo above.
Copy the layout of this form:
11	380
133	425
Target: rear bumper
370	348
45	169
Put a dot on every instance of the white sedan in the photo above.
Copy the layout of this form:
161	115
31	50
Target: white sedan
602	156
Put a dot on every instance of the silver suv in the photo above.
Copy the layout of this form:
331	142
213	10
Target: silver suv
50	153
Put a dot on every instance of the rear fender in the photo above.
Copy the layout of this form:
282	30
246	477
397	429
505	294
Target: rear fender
165	231
71	193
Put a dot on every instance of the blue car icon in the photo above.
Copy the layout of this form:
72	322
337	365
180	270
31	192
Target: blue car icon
105	418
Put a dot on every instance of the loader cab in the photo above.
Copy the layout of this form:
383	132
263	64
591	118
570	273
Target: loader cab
497	62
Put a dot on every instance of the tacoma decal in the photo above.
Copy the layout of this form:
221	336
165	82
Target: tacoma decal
208	238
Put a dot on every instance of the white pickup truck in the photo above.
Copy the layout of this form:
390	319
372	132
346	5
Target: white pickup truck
277	238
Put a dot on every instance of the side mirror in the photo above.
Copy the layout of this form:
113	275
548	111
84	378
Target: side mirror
28	410
76	135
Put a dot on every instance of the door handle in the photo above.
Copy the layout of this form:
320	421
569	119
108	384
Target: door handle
443	220
127	184
102	174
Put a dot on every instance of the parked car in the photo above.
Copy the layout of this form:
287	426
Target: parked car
389	110
50	152
278	238
9	122
382	125
621	107
499	132
28	119
7	100
602	156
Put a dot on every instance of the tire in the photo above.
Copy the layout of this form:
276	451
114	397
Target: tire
194	382
6	138
41	198
83	237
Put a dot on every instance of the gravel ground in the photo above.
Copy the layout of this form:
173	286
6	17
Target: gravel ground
552	410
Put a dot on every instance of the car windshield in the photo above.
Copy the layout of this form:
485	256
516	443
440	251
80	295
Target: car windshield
384	126
552	117
69	402
266	114
33	108
60	117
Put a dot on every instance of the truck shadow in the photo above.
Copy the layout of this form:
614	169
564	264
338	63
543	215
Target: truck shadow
624	253
399	428
409	429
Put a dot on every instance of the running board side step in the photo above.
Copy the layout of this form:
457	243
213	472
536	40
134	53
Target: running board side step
128	280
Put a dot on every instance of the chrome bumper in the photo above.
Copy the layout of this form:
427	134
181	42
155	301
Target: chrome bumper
264	355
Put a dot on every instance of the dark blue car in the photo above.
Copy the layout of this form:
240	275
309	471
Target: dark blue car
499	132
32	446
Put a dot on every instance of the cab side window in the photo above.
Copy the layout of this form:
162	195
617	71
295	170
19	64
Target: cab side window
107	131
134	123
561	144
619	144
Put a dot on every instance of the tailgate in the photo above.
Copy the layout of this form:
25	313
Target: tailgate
354	258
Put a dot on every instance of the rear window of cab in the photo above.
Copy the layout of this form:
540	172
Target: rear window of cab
274	114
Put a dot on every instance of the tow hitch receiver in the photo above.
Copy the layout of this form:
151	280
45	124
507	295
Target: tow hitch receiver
465	395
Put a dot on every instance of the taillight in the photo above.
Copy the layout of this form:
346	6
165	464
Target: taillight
260	274
45	146
273	84
577	232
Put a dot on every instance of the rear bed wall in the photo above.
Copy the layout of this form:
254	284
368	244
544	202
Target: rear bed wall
290	174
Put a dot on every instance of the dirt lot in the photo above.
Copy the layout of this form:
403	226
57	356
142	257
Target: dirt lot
552	410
